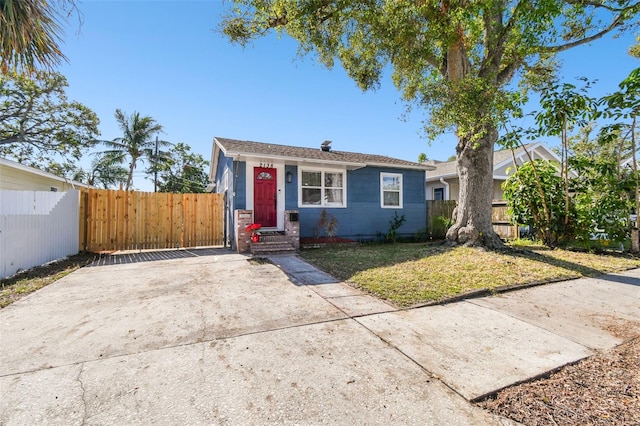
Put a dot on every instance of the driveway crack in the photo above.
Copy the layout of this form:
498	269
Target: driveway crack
203	324
84	394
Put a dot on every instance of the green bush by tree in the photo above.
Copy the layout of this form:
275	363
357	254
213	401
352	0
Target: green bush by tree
535	197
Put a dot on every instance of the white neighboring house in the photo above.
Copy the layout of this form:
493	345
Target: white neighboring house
16	176
443	182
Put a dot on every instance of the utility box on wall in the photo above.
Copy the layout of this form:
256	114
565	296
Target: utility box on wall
292	227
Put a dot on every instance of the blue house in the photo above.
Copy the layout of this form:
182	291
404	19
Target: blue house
277	186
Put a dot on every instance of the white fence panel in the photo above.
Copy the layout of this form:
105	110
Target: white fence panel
36	228
28	202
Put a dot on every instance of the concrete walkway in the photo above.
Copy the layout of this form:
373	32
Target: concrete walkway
479	346
222	339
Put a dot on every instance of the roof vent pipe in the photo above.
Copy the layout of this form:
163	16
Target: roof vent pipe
326	146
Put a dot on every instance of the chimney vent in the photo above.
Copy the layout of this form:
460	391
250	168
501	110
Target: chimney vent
326	146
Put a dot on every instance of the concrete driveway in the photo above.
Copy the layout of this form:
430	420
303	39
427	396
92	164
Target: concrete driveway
220	339
205	340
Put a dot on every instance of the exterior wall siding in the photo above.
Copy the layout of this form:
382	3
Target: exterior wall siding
498	193
454	188
364	218
21	180
291	189
240	176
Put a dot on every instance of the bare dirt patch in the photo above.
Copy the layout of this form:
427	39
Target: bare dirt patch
23	283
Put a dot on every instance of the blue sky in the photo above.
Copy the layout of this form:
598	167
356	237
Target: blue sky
163	59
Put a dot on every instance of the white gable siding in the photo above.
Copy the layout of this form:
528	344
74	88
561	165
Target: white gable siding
18	179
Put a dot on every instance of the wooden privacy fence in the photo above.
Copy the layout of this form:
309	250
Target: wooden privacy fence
126	220
502	223
439	214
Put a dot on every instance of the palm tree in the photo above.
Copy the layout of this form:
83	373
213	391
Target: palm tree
30	33
137	142
106	171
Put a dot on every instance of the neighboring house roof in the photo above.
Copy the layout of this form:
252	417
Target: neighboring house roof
500	159
237	148
18	166
627	163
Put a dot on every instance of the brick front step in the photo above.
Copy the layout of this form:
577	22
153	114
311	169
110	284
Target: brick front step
271	247
273	238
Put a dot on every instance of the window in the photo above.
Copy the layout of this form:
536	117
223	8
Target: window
438	194
322	188
391	190
265	176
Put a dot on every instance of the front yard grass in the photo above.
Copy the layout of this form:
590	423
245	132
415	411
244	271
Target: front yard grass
418	273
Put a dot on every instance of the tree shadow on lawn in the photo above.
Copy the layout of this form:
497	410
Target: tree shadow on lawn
342	262
524	253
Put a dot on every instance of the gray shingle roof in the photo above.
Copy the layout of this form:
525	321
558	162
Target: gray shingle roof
449	167
233	146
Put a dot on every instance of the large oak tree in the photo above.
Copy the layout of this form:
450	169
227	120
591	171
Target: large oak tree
39	126
456	58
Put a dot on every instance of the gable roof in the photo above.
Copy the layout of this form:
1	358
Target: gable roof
500	158
237	148
28	169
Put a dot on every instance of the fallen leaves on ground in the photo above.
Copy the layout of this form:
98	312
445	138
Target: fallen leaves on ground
601	390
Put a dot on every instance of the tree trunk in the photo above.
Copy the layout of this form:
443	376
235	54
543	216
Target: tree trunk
130	176
472	217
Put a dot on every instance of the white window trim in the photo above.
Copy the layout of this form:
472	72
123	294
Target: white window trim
280	176
393	175
322	204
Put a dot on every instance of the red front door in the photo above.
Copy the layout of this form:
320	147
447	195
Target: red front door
265	197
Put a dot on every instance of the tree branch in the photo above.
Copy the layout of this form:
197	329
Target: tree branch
599	4
562	47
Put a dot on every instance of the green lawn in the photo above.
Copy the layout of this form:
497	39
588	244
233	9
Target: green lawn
411	274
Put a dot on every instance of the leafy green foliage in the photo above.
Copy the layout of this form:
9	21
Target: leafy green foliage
455	59
535	197
597	203
623	106
394	224
106	171
30	34
137	143
38	125
601	200
182	171
563	107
